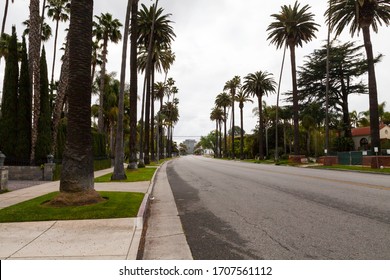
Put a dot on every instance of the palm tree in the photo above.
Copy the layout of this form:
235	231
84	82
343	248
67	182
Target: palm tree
34	46
133	87
259	84
119	170
361	15
160	89
242	97
223	100
217	115
60	97
293	26
233	85
105	29
58	10
76	185
155	34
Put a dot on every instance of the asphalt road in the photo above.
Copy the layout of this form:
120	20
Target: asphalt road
237	210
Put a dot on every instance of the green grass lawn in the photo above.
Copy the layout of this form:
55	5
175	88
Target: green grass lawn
354	168
140	174
117	205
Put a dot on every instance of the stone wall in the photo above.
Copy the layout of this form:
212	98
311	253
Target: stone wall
33	173
376	161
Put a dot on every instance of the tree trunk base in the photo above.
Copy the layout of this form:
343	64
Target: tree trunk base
65	199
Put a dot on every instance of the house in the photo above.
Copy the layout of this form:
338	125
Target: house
362	136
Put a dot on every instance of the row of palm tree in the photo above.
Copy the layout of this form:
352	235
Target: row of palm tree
257	84
295	25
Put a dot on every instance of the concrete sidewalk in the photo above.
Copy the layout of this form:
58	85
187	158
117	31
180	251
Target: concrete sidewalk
76	239
165	239
107	239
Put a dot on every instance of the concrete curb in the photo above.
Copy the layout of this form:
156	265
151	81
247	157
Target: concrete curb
141	218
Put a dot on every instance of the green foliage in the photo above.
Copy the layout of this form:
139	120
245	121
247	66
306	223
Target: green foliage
99	144
8	119
23	144
342	144
42	148
117	205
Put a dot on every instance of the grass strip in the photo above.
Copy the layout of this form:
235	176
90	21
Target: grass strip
354	168
116	205
137	175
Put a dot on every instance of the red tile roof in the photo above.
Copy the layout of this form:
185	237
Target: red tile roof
364	131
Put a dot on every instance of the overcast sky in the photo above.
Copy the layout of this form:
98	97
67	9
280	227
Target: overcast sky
217	40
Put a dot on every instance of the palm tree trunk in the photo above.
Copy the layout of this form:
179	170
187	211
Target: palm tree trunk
133	87
233	95
147	118
4	17
220	138
295	100
34	50
102	86
261	126
119	170
59	104
372	90
161	134
54	59
77	183
152	150
225	134
242	132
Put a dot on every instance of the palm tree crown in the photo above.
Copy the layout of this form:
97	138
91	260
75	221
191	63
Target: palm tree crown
293	26
358	14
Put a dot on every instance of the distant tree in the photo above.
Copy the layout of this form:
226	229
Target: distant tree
43	146
242	97
232	85
259	84
106	29
23	144
8	119
223	100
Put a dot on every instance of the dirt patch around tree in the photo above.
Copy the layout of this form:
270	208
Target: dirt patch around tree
76	199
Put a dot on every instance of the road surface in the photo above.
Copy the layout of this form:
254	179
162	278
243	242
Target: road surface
237	210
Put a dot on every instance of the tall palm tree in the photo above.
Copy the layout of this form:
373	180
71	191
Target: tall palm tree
232	86
223	100
155	34
361	15
105	29
76	185
217	116
58	10
242	97
133	86
34	45
160	89
293	26
119	171
259	84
